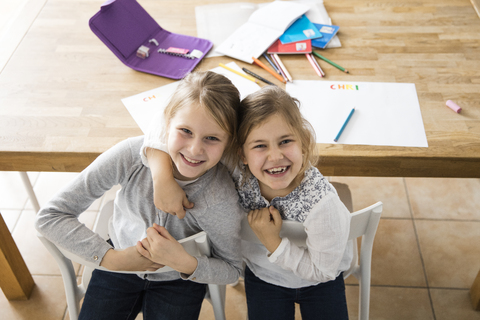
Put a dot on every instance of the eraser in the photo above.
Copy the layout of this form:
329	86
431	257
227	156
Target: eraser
452	105
177	50
142	52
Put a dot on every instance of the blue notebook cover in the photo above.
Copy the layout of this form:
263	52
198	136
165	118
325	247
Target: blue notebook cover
300	30
327	31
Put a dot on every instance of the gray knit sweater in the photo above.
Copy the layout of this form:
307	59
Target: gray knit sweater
216	211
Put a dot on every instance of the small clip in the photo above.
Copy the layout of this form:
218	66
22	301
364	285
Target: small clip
142	52
196	54
154	41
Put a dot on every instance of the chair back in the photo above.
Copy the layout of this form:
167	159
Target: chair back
363	222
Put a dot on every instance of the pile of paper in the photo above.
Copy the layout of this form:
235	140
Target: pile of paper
244	30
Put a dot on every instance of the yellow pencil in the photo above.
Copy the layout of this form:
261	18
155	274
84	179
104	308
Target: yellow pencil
239	73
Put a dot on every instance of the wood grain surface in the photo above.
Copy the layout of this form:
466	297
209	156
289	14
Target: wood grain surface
61	90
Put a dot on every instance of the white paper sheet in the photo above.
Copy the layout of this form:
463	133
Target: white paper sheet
262	29
143	106
386	114
216	22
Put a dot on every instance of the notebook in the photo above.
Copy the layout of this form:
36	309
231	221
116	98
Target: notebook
294	47
300	30
125	27
262	29
328	32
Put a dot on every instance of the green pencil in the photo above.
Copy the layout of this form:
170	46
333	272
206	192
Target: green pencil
331	62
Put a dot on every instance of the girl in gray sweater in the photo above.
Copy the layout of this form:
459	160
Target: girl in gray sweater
200	120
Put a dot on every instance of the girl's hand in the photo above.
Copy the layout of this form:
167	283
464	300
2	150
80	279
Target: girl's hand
170	198
167	194
161	247
128	260
266	223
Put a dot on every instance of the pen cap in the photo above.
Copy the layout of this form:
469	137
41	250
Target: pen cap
452	105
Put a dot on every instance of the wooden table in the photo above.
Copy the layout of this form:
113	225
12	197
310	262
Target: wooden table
60	92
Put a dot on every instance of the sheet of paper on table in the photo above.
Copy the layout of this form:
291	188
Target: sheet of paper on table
143	106
386	114
216	22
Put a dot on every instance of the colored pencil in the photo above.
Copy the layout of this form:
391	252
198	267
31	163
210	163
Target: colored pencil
344	125
278	68
246	76
282	67
318	65
262	65
309	58
331	62
257	76
272	64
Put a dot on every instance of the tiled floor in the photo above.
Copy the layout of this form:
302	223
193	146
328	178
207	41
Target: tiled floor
425	258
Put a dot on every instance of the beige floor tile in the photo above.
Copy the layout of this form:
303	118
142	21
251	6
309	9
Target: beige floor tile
392	303
395	259
441	198
453	305
47	302
367	191
235	304
38	259
12	191
450	252
10	217
49	183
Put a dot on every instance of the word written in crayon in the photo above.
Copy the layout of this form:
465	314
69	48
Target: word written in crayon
344	87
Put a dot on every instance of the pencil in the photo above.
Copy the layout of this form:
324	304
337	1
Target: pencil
257	76
279	69
239	73
309	58
344	125
318	66
271	63
260	64
331	62
282	67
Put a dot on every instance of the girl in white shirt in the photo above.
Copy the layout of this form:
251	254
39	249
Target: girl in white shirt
276	181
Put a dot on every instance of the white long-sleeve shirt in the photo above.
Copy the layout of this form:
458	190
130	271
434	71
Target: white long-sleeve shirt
314	203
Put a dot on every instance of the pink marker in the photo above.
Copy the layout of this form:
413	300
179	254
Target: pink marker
452	105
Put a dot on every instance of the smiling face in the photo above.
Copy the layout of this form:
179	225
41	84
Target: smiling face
195	142
273	153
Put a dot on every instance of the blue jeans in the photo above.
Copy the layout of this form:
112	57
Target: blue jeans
117	296
268	301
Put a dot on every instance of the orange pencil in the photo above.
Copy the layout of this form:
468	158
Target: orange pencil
260	64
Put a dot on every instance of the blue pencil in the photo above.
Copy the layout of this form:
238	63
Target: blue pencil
344	125
271	63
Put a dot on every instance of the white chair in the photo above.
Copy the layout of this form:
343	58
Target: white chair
363	224
196	245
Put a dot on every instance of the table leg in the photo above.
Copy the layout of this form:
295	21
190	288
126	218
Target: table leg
15	279
475	293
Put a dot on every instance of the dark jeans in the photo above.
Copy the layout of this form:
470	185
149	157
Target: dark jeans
119	296
267	301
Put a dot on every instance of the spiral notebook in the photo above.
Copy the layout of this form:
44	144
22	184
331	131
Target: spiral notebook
136	38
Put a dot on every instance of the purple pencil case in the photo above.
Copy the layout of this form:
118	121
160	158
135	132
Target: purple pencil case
124	26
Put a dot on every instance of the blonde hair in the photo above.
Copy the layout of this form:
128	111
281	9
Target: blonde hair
259	106
217	95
